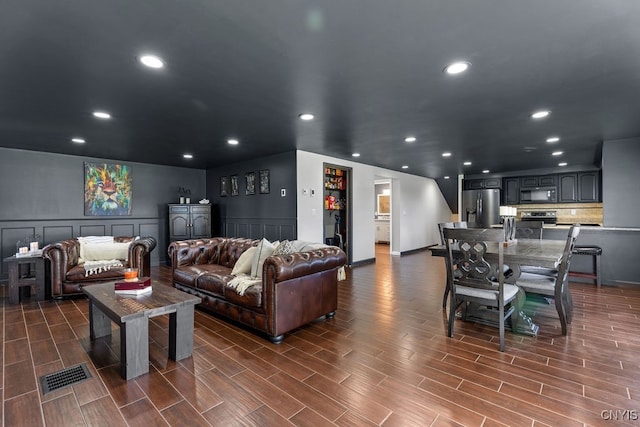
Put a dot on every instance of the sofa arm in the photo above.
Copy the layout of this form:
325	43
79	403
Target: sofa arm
62	257
140	254
278	268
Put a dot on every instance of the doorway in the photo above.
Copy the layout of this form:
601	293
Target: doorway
382	217
337	207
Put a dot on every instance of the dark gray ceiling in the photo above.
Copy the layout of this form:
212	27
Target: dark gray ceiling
370	70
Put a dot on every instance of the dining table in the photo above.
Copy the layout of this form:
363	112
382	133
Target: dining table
529	252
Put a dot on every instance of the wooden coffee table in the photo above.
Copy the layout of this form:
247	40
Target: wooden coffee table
132	313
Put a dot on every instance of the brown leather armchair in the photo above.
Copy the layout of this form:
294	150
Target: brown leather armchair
68	277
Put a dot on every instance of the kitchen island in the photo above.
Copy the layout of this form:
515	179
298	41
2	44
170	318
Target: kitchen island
618	260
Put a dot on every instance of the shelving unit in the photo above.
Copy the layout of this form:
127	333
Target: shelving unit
336	204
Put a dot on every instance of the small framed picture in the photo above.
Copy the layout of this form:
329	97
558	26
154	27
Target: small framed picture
250	181
224	186
264	181
234	185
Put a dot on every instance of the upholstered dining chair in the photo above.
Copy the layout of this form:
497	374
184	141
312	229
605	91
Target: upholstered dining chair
555	286
472	282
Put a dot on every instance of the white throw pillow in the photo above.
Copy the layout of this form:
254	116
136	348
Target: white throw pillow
243	264
285	247
264	250
104	251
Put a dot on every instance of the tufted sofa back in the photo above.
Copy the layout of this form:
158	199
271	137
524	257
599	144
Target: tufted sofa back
223	251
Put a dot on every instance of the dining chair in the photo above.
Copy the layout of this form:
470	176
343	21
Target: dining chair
556	286
442	226
532	230
473	281
529	229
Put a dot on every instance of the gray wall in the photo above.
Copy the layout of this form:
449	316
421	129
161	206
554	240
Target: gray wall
42	193
259	215
620	182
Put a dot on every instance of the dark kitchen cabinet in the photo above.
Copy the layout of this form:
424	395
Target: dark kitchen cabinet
189	221
511	191
538	181
589	186
568	188
581	187
479	184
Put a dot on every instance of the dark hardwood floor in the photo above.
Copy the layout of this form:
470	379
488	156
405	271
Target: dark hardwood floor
384	359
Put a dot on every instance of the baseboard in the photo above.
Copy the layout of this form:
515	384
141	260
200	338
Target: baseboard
363	262
413	251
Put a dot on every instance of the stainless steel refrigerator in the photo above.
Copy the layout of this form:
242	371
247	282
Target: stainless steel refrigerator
481	208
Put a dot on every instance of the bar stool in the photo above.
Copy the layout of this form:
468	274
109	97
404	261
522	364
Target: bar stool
595	252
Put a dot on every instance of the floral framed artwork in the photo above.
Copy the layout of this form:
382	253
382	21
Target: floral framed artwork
224	186
250	181
234	185
264	181
107	189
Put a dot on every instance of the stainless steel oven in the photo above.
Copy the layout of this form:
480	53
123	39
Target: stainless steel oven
547	217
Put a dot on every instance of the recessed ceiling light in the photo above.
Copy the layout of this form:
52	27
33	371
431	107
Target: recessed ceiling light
553	139
529	149
306	116
467	163
78	140
405	166
556	153
101	115
540	114
188	156
152	61
233	142
356	154
562	164
486	171
457	67
446	177
446	154
410	139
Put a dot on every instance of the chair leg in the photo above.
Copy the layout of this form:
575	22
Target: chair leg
452	314
444	298
561	314
568	304
596	266
502	329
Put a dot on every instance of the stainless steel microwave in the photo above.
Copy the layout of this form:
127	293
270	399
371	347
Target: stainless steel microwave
538	195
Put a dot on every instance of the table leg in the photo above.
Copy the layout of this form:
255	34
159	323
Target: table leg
40	280
13	283
99	324
134	348
181	333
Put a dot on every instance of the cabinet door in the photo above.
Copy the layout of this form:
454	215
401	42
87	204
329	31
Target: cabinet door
547	181
474	184
529	181
512	191
568	188
493	183
200	222
178	222
588	187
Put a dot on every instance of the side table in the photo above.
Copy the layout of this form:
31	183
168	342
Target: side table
16	281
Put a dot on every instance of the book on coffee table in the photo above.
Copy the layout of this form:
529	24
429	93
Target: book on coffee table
138	287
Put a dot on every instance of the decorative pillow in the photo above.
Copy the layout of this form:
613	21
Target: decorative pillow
104	251
243	264
264	250
285	247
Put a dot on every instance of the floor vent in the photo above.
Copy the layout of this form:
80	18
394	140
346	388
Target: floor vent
69	376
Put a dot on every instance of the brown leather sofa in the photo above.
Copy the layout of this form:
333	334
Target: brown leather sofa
296	289
68	276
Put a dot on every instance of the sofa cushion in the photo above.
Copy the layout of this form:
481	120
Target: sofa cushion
264	250
78	274
214	282
251	298
243	264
